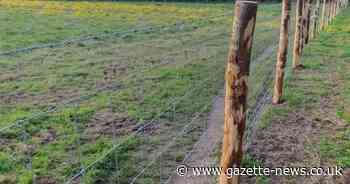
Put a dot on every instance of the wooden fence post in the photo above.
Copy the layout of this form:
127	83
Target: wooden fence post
237	72
328	15
303	27
323	15
332	10
308	17
315	19
282	52
297	34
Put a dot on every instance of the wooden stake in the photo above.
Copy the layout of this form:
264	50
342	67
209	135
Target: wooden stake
297	35
315	19
282	52
237	72
307	20
323	16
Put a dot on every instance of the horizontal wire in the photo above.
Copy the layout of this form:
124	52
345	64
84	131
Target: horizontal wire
85	97
102	36
174	102
171	143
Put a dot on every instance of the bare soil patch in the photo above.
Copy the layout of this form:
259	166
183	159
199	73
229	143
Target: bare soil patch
109	123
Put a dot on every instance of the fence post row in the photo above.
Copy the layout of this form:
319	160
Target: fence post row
307	25
237	72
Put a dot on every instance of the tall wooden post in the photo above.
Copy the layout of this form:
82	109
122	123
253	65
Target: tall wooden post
323	15
315	19
303	27
297	34
237	72
336	7
282	52
328	14
332	10
307	21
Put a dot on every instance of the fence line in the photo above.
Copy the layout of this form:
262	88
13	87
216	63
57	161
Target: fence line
263	93
184	130
254	111
170	105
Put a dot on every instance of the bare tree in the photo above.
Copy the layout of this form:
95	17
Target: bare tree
282	52
237	72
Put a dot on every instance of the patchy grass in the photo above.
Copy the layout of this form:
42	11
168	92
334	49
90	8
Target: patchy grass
163	78
319	95
56	20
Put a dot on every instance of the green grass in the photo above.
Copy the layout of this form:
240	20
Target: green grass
192	62
55	21
337	147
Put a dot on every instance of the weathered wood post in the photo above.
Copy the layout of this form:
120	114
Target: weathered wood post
297	34
332	10
236	83
328	14
323	15
282	52
307	21
336	7
303	25
315	20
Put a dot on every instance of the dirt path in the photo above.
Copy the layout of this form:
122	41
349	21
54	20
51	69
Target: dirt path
202	152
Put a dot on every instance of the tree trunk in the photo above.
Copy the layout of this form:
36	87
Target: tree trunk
297	34
282	52
237	72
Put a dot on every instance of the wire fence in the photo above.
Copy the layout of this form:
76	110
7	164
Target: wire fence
110	87
70	143
115	34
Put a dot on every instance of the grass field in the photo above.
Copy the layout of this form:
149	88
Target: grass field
80	100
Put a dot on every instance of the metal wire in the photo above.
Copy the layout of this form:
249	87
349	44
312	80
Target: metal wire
112	87
178	100
171	143
101	36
